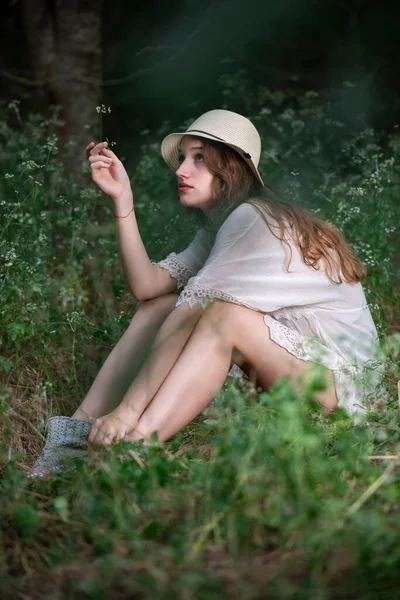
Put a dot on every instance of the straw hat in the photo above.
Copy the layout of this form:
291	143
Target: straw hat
223	126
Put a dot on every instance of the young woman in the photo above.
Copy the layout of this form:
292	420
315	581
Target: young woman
265	287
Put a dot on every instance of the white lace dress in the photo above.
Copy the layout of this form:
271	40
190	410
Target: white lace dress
308	315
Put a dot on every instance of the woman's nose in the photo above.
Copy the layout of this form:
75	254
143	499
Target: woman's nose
182	171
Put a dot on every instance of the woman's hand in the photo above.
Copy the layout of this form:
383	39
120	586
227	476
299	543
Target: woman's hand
113	428
107	171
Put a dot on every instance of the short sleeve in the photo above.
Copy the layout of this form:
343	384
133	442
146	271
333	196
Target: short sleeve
231	254
186	264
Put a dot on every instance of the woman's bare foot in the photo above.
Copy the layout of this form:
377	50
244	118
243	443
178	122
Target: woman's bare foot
115	426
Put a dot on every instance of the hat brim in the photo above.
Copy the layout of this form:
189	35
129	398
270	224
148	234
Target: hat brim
170	150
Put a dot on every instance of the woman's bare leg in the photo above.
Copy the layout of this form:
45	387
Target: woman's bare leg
126	359
201	369
165	351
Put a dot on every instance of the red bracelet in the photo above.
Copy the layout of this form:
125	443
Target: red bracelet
125	215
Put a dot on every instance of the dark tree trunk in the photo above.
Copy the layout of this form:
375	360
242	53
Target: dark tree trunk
64	37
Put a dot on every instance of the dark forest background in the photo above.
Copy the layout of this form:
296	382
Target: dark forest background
151	61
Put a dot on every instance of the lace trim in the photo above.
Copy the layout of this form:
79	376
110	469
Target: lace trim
199	294
294	312
305	348
350	381
176	268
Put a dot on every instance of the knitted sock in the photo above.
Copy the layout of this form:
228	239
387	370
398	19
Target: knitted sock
66	440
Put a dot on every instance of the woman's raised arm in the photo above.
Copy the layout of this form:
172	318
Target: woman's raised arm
109	174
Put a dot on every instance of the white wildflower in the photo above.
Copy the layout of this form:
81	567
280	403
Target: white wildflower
30	165
103	109
10	257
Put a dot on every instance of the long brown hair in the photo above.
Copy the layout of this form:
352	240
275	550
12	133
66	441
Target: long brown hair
318	241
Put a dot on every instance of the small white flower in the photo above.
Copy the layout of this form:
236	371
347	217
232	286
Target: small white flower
10	257
30	165
103	109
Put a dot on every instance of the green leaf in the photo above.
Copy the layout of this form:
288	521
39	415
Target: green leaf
62	507
26	520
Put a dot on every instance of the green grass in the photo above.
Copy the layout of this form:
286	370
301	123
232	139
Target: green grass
260	496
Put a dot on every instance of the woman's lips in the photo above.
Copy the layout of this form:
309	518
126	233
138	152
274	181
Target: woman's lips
184	188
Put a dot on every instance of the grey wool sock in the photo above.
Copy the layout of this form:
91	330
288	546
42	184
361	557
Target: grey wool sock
66	440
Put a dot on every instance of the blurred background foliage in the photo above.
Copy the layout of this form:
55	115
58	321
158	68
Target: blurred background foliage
153	61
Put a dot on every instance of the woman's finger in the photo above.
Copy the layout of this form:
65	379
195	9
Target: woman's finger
100	165
97	148
95	433
103	437
108	440
120	436
88	149
106	159
92	434
110	153
98	440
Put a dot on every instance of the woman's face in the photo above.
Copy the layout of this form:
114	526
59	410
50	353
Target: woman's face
194	178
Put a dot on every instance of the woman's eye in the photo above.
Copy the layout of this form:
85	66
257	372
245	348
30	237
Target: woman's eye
197	157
